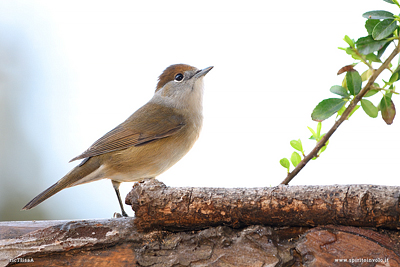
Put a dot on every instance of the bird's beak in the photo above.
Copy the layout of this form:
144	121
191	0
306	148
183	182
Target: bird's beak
202	72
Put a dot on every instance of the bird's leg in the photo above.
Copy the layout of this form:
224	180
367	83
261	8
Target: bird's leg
116	188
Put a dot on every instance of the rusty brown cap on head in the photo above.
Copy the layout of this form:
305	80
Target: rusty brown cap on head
170	73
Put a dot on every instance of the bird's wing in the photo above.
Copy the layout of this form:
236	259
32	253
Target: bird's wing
149	123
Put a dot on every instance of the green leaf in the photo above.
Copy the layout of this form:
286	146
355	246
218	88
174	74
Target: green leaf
285	163
295	159
370	25
339	90
314	135
384	28
367	45
389	1
296	144
354	110
327	108
369	108
322	149
350	51
371	93
319	126
388	111
353	80
378	14
344	84
395	76
382	50
372	57
366	74
341	110
349	41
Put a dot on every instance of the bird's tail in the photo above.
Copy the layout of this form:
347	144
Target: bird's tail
79	172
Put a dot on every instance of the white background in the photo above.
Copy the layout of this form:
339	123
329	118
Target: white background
85	66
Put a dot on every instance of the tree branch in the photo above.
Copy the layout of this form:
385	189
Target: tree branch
121	241
157	206
116	242
342	118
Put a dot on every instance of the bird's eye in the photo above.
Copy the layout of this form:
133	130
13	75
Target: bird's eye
179	77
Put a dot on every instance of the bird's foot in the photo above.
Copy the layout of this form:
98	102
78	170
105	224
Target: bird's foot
118	215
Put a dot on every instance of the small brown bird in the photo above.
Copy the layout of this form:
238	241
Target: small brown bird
149	142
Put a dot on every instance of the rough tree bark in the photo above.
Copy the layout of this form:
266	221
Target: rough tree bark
285	235
159	206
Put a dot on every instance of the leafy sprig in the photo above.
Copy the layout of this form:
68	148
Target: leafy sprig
296	158
382	30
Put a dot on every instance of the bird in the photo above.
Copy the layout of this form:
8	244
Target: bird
147	143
